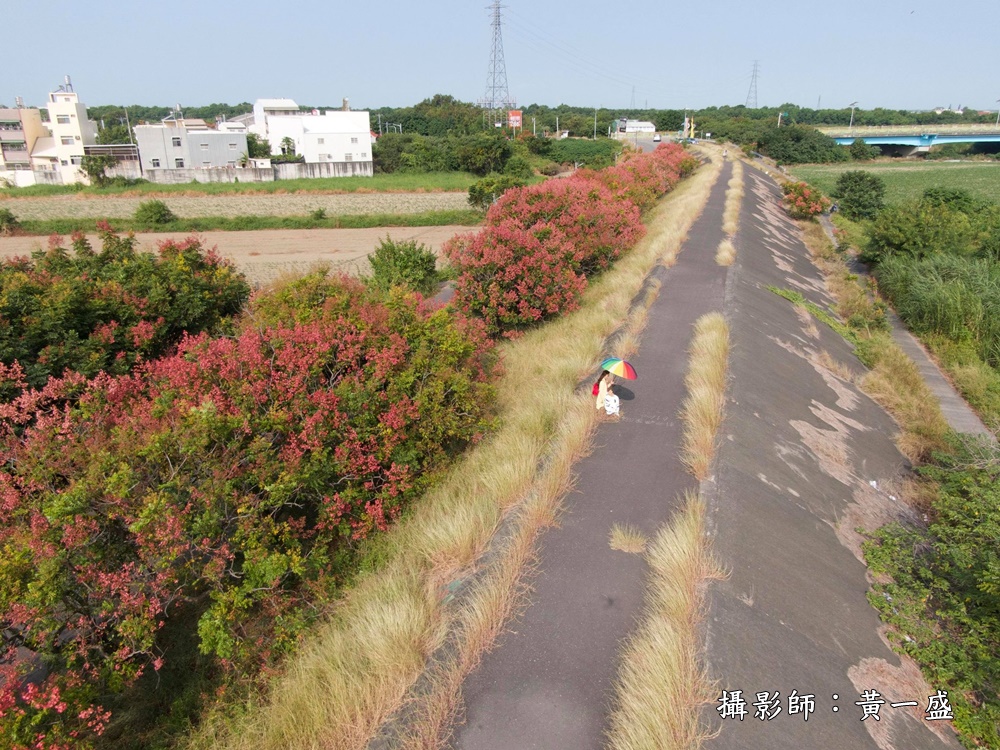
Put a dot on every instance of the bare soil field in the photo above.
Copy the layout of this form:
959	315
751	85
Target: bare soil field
265	255
269	204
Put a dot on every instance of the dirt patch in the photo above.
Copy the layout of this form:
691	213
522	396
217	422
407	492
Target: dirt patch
265	255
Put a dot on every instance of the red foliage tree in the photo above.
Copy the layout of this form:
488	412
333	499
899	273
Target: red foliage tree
238	469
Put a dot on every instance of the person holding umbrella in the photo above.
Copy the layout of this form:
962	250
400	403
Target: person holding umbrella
606	398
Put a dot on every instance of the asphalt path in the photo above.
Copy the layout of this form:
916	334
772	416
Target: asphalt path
805	459
549	681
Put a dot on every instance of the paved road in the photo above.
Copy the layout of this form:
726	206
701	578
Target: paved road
548	683
799	452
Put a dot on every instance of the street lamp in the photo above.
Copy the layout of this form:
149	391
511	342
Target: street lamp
852	105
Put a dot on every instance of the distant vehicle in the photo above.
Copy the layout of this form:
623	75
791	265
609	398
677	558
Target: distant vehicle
656	138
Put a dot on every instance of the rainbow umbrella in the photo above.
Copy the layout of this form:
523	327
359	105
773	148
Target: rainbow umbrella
619	368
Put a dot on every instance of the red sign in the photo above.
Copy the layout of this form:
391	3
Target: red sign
514	118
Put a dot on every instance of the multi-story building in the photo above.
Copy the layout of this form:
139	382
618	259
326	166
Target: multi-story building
332	137
191	144
61	153
20	129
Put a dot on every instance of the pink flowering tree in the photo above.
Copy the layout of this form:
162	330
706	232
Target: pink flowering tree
803	201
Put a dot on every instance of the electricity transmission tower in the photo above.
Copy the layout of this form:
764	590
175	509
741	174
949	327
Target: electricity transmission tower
497	100
752	93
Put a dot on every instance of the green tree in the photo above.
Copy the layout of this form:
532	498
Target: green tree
116	133
861	151
919	230
95	167
484	192
861	194
799	144
288	146
257	147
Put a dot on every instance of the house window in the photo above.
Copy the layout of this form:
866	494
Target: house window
348	157
320	141
204	147
77	160
178	164
67	140
176	142
65	163
62	119
156	163
354	140
364	155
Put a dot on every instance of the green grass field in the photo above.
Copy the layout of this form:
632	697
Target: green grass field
382	183
907	180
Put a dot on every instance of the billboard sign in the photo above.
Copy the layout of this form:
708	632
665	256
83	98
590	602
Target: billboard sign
514	118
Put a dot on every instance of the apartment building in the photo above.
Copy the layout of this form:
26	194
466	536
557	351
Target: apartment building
191	144
20	129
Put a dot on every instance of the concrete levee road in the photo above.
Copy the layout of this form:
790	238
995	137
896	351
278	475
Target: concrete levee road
805	458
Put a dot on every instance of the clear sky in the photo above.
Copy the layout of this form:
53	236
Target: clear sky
900	54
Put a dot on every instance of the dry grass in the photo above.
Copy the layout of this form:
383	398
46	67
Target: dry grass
355	671
627	538
706	386
893	380
726	253
661	683
896	384
734	201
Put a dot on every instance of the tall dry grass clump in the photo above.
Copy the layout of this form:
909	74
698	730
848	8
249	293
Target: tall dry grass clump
706	387
734	200
661	683
726	252
356	671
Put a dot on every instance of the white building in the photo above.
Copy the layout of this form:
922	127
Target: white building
191	144
20	129
70	130
332	137
635	126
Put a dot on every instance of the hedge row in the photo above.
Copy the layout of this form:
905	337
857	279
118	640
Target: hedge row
539	244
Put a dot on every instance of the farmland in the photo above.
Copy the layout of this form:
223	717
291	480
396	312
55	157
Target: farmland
907	180
84	206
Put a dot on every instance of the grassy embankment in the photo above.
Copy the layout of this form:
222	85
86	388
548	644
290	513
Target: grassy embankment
726	252
907	180
356	671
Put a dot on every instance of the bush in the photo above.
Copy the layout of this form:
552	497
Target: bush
940	589
518	167
531	260
86	312
8	222
240	473
151	213
861	194
597	226
799	144
483	193
918	229
803	201
514	278
861	151
405	263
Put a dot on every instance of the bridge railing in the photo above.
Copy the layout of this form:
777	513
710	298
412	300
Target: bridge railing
876	130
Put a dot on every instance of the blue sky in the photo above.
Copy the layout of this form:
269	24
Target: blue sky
906	54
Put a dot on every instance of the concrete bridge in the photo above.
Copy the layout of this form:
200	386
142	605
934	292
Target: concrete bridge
918	137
